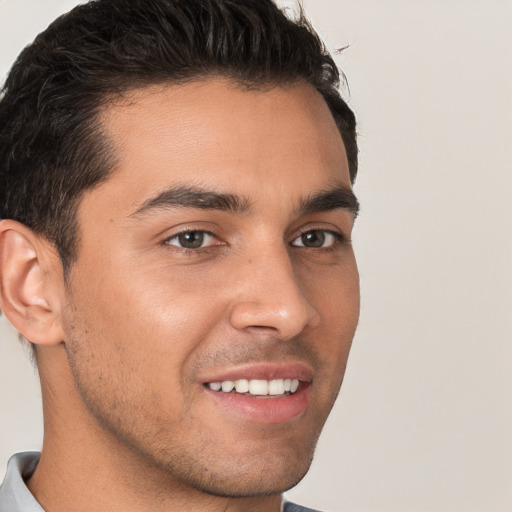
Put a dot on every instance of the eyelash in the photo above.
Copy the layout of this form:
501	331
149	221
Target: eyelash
188	249
338	238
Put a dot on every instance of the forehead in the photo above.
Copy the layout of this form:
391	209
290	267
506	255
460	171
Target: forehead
222	136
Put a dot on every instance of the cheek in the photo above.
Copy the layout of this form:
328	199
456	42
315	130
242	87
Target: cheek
147	298
129	358
149	323
334	292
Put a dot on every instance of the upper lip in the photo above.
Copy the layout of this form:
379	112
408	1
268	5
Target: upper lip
262	371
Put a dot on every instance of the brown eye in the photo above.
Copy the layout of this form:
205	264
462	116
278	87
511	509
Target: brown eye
313	239
316	239
191	239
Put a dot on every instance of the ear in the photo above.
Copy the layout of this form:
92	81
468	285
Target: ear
31	284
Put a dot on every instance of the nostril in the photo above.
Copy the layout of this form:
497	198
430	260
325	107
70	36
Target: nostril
262	329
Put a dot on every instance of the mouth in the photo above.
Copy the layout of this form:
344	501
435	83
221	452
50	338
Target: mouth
262	393
256	387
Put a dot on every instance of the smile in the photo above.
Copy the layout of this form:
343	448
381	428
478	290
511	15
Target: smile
256	387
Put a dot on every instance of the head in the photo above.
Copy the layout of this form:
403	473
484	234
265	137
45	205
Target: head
177	176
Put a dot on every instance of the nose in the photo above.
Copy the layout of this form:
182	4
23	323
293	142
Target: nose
270	298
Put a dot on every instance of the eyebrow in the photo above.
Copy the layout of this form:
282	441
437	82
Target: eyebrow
337	197
195	197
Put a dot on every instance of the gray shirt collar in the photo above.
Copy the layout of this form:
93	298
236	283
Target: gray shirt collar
14	494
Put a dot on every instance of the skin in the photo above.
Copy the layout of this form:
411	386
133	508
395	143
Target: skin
141	322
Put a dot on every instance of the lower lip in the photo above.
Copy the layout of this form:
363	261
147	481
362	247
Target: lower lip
264	409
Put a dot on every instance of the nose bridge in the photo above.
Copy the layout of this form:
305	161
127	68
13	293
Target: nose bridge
270	295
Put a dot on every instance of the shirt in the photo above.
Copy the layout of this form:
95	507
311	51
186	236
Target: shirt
15	496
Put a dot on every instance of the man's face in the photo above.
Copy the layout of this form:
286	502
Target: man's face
219	251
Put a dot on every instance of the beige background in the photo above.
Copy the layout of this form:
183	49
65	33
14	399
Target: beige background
424	421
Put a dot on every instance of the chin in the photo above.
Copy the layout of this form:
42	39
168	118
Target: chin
264	474
253	482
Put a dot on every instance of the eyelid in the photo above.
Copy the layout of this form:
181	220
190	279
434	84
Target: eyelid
215	238
170	231
338	237
326	228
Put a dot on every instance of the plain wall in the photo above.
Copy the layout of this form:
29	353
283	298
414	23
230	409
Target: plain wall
424	419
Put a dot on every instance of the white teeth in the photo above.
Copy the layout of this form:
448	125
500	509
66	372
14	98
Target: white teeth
227	386
257	387
276	387
242	386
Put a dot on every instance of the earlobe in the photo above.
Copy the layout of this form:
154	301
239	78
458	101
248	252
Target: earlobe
25	297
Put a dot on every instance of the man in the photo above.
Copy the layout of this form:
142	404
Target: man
175	244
